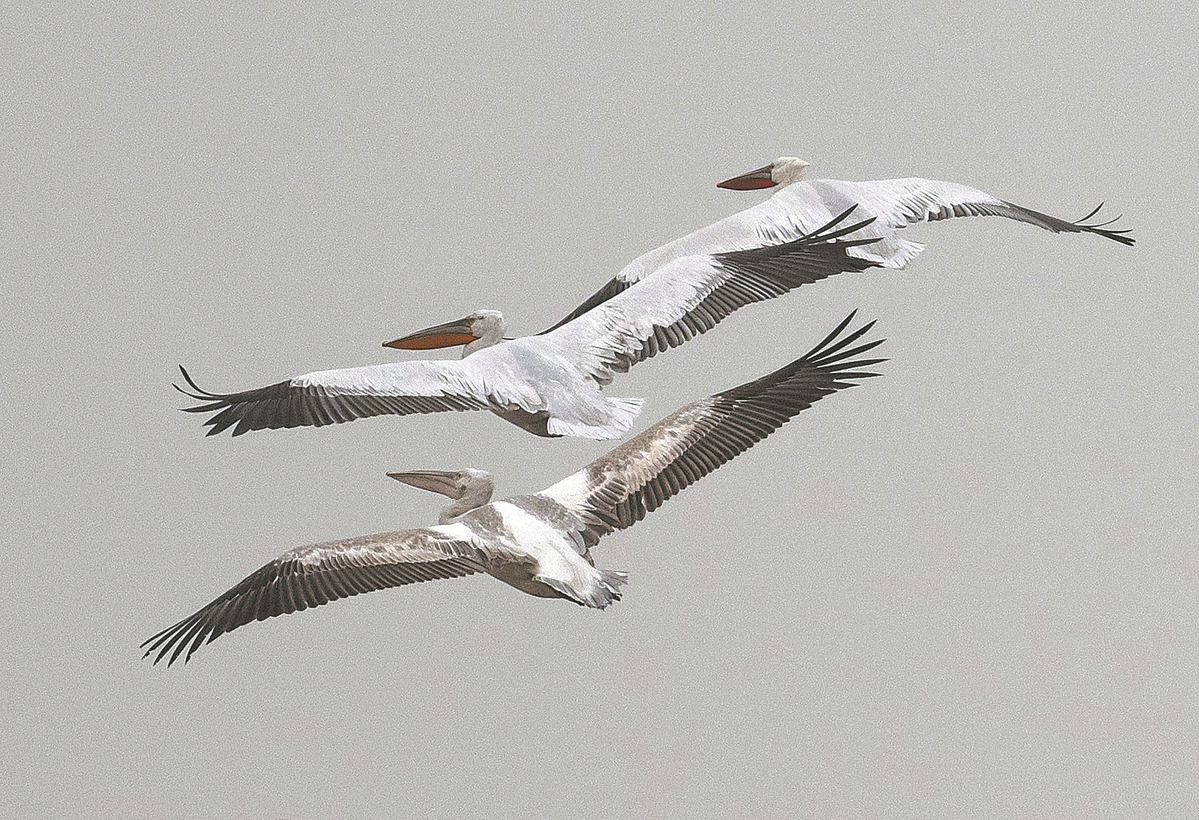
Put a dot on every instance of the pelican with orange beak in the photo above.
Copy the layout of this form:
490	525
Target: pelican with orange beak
549	384
799	206
481	329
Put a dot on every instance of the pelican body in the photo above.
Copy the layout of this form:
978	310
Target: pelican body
549	384
799	206
541	543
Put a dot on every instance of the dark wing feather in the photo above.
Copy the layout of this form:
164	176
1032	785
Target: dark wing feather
315	575
757	274
622	487
693	294
1021	214
602	295
294	403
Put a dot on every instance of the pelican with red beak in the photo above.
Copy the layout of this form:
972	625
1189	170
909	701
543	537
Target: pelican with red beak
799	206
549	384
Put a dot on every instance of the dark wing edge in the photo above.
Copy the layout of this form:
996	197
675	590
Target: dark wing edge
285	405
596	299
710	311
1021	214
722	427
758	274
288	585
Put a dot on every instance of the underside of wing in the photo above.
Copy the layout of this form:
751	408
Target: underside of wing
784	267
758	274
692	295
798	209
897	202
623	486
337	396
317	574
1049	223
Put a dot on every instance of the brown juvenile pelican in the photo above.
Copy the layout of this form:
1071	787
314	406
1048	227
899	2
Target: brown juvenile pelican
547	384
540	544
797	207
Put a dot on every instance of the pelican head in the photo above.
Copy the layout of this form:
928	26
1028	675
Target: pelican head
481	329
469	488
782	172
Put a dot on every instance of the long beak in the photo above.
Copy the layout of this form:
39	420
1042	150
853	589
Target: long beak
447	335
752	181
433	480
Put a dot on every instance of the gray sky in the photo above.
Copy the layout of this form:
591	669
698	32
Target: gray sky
967	589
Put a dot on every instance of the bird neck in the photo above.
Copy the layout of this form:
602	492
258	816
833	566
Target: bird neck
492	333
476	495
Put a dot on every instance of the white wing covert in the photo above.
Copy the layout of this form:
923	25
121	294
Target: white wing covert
690	296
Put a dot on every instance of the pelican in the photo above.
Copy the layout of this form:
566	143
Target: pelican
799	206
540	544
547	384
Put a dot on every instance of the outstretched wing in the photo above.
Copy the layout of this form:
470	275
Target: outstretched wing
900	202
336	396
319	573
802	207
790	267
620	488
692	295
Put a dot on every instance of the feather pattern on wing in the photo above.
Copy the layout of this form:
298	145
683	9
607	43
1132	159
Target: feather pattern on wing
803	206
319	573
692	295
337	396
621	487
555	376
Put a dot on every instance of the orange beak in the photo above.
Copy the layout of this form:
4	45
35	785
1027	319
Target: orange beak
752	181
448	335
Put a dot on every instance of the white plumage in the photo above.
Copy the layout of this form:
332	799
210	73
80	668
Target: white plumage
540	544
549	384
799	206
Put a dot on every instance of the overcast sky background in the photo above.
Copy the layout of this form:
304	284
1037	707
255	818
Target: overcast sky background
967	589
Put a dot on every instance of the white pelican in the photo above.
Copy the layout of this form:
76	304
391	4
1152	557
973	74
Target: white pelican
800	206
548	384
540	544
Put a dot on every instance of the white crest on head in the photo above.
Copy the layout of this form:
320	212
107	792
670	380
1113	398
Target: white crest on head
470	479
786	170
482	320
488	327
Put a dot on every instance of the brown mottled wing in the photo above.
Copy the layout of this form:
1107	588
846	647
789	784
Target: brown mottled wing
319	573
620	488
